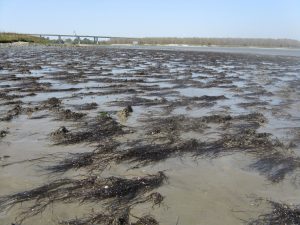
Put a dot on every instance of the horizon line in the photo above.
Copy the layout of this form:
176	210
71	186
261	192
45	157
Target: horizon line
136	37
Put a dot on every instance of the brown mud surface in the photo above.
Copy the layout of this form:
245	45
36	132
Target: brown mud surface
96	135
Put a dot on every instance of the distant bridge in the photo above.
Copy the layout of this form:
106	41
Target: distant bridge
76	36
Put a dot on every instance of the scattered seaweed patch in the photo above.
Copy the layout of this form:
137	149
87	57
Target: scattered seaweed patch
15	111
3	133
145	154
67	114
95	130
275	166
117	216
271	154
120	217
146	220
87	106
52	103
281	214
170	128
197	104
113	192
95	160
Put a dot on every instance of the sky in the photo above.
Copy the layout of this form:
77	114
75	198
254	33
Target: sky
154	18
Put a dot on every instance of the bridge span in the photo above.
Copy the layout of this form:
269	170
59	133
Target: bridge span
76	36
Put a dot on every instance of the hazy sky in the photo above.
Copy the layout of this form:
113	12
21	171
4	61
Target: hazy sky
136	18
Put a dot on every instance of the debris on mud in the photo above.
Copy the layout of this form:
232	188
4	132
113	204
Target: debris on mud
38	117
124	113
113	192
87	106
271	155
281	214
67	114
253	117
275	166
258	144
252	104
146	220
169	105
168	129
120	217
94	160
60	132
3	133
52	102
9	97
216	119
156	198
24	70
15	111
17	102
186	103
138	101
208	98
249	139
117	216
95	130
171	127
145	154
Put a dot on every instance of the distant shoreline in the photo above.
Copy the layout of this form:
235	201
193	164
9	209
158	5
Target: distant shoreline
293	52
201	46
155	41
22	43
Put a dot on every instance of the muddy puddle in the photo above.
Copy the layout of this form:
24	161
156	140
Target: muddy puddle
94	135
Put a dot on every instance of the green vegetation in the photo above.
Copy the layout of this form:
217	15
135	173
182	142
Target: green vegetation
14	37
104	114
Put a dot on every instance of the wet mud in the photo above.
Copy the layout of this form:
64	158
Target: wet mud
117	131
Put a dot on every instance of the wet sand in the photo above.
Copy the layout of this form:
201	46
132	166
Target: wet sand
223	127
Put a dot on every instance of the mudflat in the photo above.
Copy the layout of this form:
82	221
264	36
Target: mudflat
107	135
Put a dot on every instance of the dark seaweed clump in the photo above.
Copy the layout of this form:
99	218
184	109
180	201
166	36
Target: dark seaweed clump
87	106
281	214
277	165
116	218
114	193
3	133
95	160
52	102
67	114
273	159
166	133
10	114
94	131
170	127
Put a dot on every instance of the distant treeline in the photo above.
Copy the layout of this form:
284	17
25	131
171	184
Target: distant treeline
246	42
14	37
230	42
